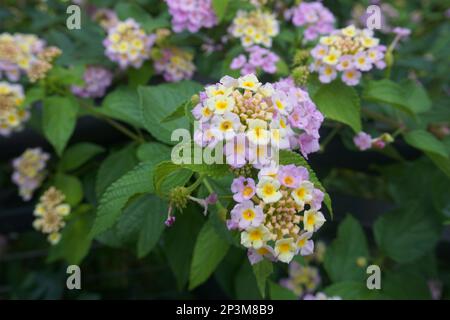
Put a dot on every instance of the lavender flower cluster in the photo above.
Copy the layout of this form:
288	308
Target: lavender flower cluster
175	64
96	81
29	171
191	15
314	16
128	44
257	58
253	119
277	214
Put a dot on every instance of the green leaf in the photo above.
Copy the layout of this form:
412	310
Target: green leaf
407	233
78	154
122	104
33	94
158	102
132	10
169	175
262	270
59	118
282	68
75	239
245	283
153	224
339	102
278	292
70	186
352	290
349	245
405	285
136	181
179	242
67	76
406	96
208	252
178	113
289	157
114	166
425	141
441	162
220	8
154	151
141	76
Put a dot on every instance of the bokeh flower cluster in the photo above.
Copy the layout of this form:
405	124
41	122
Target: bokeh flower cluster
127	44
348	52
96	81
30	171
255	59
25	54
50	214
302	280
174	64
314	17
12	111
277	213
191	15
255	27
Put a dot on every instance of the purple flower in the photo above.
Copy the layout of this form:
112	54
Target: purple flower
363	141
170	221
243	189
258	59
308	144
175	64
191	15
402	32
246	214
315	17
96	81
291	176
257	255
238	62
305	244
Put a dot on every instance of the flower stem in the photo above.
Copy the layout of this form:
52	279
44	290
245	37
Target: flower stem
116	125
222	211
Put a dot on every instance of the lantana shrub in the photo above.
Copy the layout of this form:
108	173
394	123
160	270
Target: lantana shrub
247	149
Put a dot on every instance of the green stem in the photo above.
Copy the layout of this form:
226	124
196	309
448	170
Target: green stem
329	137
220	208
378	116
113	123
194	186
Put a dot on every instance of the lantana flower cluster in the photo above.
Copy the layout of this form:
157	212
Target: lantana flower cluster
50	214
191	14
25	54
347	51
257	58
277	214
302	280
315	17
12	112
29	171
254	27
128	44
256	120
175	64
96	81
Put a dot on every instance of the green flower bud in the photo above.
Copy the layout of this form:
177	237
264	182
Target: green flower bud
389	58
178	196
